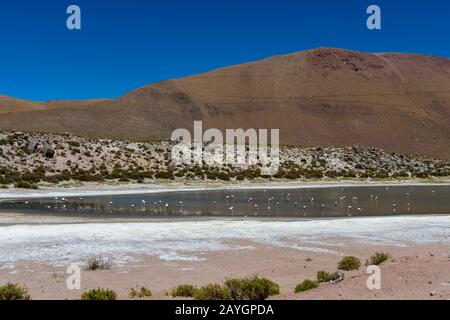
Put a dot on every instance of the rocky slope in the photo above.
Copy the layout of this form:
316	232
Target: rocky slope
29	159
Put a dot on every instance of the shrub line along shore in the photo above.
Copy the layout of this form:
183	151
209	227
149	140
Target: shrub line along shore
32	160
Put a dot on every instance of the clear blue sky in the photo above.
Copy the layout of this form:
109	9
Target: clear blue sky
127	44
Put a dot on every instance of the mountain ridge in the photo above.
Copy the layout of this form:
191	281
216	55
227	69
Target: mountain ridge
325	96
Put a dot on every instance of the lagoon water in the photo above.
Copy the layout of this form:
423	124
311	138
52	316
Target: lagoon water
290	202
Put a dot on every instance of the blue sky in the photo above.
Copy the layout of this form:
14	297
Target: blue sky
127	44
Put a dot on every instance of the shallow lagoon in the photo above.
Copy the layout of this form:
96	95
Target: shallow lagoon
290	202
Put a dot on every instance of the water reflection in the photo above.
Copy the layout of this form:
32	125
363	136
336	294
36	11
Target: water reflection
302	202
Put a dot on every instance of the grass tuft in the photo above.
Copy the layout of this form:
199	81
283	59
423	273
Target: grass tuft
378	258
254	288
349	263
184	290
99	294
99	263
212	292
306	285
323	276
14	292
141	292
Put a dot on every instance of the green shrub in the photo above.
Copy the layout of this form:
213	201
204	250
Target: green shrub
184	290
99	294
323	276
382	174
252	288
378	258
349	263
14	292
306	285
212	292
53	179
168	175
25	185
73	143
422	175
32	177
223	176
141	292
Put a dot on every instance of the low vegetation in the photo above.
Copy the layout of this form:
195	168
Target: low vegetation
212	291
25	185
99	263
254	288
323	276
378	258
184	290
141	292
99	294
14	292
306	285
349	263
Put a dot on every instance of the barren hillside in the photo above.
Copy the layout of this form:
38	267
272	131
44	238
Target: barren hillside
326	97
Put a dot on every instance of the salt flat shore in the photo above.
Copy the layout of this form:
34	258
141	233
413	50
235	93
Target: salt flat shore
164	253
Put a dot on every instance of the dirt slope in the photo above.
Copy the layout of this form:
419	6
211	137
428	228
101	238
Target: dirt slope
328	97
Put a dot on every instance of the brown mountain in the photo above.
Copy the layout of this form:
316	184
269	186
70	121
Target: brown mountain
9	105
328	97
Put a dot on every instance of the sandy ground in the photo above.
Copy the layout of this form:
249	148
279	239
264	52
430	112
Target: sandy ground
413	272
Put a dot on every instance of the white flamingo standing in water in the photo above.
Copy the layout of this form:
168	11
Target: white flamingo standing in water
269	200
304	210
